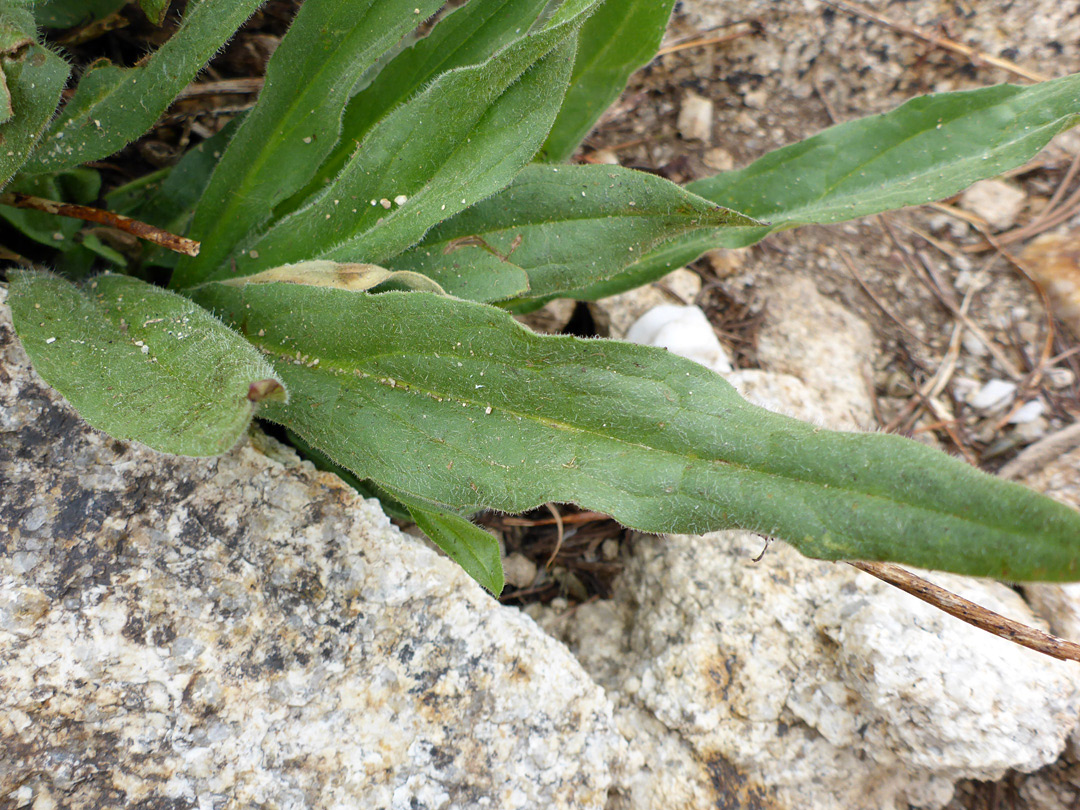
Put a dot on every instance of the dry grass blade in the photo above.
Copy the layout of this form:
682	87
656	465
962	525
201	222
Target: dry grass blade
973	614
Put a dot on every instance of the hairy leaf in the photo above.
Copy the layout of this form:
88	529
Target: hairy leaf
929	148
34	77
465	543
139	362
457	406
481	125
465	36
566	227
297	120
924	150
71	13
113	106
619	38
155	10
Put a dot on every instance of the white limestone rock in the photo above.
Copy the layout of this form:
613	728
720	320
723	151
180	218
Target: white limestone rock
236	632
815	339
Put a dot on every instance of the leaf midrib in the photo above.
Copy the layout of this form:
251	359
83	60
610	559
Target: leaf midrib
351	370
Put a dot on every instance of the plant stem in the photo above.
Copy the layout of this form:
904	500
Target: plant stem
967	611
180	244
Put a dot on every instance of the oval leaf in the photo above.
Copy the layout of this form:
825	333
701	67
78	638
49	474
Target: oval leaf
456	405
139	362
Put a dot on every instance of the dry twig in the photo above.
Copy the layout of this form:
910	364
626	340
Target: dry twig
973	614
179	244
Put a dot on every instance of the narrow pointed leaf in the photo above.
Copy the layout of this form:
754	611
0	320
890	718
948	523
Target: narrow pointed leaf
492	119
297	120
922	151
929	148
465	543
622	36
566	227
466	36
457	406
34	77
139	362
113	106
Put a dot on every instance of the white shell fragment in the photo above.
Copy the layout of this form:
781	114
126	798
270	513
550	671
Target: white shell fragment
685	331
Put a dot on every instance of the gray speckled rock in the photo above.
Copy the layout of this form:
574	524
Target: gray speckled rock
237	632
827	688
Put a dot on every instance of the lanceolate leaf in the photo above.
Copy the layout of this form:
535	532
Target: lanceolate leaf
566	227
297	120
465	543
619	38
480	125
465	36
113	106
140	362
927	149
34	77
455	405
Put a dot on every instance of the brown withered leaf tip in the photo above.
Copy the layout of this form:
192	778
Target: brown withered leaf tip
269	389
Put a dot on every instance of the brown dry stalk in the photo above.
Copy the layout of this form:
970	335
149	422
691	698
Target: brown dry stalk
703	41
179	244
975	615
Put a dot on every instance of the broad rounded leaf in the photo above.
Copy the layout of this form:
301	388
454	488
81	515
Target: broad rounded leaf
139	362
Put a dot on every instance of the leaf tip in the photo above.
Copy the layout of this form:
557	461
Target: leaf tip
268	390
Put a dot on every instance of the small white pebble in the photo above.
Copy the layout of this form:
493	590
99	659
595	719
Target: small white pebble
991	395
307	139
401	199
50	340
385	203
1028	412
